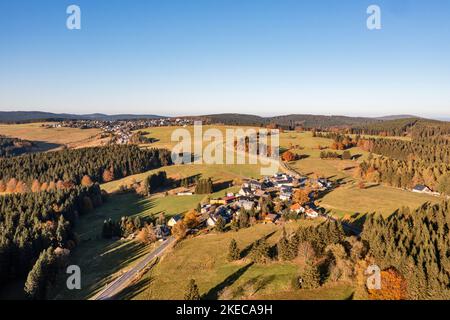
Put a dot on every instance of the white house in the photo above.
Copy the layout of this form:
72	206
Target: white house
311	213
421	189
173	221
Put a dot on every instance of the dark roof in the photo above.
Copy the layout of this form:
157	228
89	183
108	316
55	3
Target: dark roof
420	187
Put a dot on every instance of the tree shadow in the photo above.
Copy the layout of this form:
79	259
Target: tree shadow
134	289
222	185
213	293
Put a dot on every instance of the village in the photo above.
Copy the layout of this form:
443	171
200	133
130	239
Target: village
274	199
121	131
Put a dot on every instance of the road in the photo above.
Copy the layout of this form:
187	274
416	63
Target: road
125	279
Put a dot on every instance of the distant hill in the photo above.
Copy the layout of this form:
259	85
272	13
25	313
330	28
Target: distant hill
398	117
29	116
292	120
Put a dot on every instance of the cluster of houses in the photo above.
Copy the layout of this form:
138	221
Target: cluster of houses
280	187
121	130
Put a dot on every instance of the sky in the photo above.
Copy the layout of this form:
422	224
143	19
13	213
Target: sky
266	57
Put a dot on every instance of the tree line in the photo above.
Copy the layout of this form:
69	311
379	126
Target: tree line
406	174
101	164
416	244
407	150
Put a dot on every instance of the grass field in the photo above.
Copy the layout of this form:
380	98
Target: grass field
163	134
218	173
203	258
72	137
349	199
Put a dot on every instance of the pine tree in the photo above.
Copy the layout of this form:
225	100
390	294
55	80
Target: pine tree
192	292
220	224
233	251
310	276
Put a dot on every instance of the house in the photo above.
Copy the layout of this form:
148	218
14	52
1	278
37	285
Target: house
286	193
260	193
297	208
245	191
255	185
421	189
229	199
324	183
205	208
311	213
173	221
221	212
246	204
271	218
162	231
218	201
184	194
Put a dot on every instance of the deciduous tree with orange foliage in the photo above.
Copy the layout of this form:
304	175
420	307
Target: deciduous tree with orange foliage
301	196
393	287
190	219
86	181
288	156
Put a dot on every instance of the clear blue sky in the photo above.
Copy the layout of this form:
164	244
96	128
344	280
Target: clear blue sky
209	56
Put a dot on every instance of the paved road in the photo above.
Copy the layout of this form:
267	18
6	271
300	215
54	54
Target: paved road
122	281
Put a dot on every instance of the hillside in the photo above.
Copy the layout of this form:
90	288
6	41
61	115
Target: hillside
290	121
33	116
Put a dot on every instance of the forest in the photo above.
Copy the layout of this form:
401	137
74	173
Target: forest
100	164
409	247
31	223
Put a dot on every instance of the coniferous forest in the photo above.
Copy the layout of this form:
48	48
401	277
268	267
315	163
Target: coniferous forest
33	222
101	164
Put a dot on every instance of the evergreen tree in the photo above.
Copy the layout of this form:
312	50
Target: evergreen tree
310	276
220	224
233	251
192	292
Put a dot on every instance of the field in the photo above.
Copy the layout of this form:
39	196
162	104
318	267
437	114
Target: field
164	139
51	138
348	199
218	173
203	258
377	198
102	260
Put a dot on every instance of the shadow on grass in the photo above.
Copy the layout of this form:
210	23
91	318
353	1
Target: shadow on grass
134	289
98	258
213	293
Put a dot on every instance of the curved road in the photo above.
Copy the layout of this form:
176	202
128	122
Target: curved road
122	281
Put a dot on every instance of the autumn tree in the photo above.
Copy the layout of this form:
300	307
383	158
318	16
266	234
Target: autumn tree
108	175
146	235
301	196
179	230
288	156
86	181
393	287
190	219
